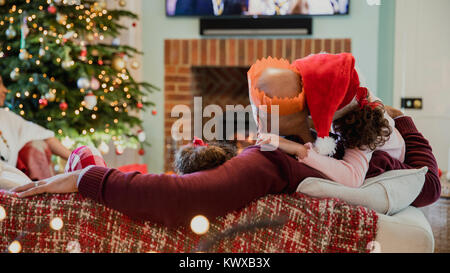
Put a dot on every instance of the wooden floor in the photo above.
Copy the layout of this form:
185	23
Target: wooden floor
439	216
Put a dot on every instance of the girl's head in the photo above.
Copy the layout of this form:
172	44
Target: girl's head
365	127
200	156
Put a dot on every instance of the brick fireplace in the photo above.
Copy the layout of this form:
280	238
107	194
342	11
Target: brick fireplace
216	70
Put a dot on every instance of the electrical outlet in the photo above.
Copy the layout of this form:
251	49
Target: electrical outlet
412	103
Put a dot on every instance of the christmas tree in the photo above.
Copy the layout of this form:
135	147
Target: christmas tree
63	75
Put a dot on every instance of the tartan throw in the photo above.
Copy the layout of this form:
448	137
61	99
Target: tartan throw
312	226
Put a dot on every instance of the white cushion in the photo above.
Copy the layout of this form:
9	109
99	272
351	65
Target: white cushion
387	193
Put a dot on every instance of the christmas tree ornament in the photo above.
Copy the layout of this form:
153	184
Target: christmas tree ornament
67	64
90	100
43	102
69	35
83	83
83	54
141	136
100	61
135	65
41	52
139	105
154	112
103	148
100	5
61	18
10	32
122	3
95	84
63	106
23	55
51	9
116	42
14	75
119	149
50	96
141	151
118	63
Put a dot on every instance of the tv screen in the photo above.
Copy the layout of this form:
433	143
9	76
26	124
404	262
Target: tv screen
255	7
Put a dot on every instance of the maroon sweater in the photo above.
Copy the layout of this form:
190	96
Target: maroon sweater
173	200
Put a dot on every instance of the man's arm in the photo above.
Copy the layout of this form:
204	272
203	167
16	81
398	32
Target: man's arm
174	200
418	154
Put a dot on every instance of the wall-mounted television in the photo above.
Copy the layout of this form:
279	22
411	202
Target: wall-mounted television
227	8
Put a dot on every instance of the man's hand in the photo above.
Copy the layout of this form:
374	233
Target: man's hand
63	183
393	112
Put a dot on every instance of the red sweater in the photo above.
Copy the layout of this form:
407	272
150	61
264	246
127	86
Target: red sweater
174	200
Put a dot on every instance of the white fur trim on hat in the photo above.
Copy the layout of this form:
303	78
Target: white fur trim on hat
325	146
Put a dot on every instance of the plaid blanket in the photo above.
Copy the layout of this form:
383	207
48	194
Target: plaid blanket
273	224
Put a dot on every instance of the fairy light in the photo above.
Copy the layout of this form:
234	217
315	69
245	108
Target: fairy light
56	224
2	213
200	225
15	247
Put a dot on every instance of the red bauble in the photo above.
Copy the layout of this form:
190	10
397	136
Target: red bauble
141	151
63	106
100	62
154	112
134	24
43	102
51	9
119	151
139	105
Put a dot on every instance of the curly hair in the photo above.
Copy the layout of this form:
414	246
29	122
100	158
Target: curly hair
190	159
364	128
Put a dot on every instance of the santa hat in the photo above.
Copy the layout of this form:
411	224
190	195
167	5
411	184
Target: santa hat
330	83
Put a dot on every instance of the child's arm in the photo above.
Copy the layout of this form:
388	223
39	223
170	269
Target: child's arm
285	145
350	171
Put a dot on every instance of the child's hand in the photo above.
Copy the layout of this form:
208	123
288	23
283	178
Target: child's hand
287	146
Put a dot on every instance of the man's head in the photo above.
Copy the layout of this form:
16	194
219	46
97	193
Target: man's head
3	92
283	84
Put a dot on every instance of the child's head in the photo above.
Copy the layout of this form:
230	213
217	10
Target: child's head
199	156
364	127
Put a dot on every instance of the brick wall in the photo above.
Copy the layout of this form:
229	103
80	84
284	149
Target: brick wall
216	70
